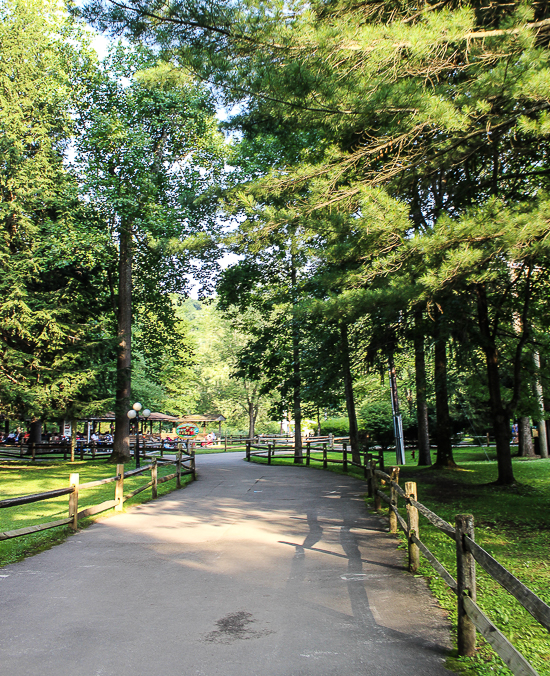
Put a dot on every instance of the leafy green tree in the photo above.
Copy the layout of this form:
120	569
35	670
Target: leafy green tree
54	338
148	153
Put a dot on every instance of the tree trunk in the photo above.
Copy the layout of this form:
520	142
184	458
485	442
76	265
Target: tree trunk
348	389
500	417
251	420
443	419
526	448
73	439
121	449
296	375
318	423
541	423
424	457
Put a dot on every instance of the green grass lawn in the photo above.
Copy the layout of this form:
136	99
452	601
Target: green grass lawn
512	524
17	478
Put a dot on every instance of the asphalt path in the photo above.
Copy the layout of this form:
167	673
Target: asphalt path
252	570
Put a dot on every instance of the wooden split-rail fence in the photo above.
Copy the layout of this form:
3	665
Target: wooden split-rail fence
185	464
322	450
468	553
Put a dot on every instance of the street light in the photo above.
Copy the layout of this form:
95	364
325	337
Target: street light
133	413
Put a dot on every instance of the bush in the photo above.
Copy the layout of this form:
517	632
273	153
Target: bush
376	421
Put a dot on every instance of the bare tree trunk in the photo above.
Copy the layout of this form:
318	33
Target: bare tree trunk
318	423
424	457
501	419
348	389
297	378
121	449
526	448
251	420
443	424
541	423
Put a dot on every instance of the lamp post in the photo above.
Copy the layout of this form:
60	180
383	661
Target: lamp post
133	413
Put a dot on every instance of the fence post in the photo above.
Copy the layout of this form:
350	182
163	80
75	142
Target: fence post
119	488
412	525
93	449
225	443
466	583
394	496
154	478
344	456
178	469
331	440
377	500
73	500
269	453
381	460
248	451
325	458
82	451
308	453
162	448
33	450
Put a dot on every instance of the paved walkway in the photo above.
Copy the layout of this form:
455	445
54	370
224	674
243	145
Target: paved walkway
250	571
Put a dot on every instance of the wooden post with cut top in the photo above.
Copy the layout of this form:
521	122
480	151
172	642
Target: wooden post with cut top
412	525
178	469
325	457
344	456
308	453
394	497
269	453
119	488
248	451
154	485
73	500
466	584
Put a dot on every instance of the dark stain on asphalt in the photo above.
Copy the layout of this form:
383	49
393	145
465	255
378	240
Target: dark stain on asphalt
233	627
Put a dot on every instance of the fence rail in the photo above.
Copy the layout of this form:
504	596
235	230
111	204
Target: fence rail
185	465
468	553
269	450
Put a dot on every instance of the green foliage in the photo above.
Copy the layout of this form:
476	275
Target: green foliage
53	337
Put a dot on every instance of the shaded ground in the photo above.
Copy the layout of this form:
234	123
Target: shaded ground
252	570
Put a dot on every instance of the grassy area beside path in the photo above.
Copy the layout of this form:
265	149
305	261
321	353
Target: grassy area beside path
17	478
512	523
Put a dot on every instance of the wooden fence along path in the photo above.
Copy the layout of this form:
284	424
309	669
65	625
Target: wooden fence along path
75	488
83	449
321	446
468	553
